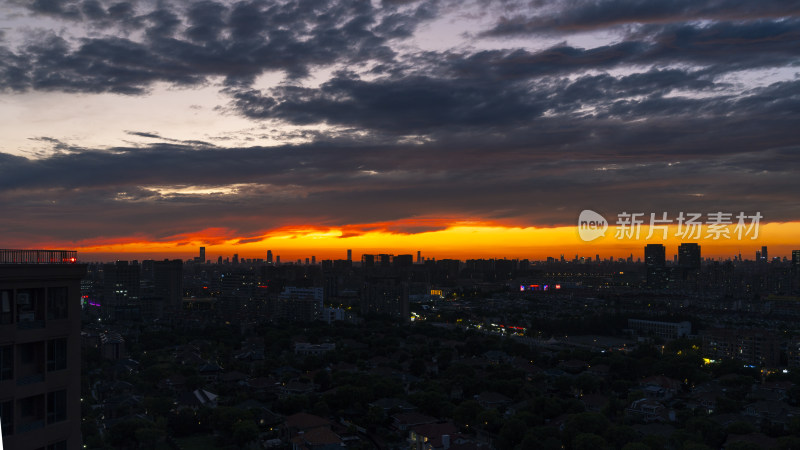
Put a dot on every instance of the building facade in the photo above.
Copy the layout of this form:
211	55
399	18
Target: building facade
40	362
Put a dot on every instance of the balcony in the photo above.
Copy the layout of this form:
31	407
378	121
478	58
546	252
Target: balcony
30	324
30	426
30	379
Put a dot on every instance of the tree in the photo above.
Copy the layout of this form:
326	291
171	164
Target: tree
742	446
490	420
467	412
123	433
619	435
511	434
148	437
244	432
588	441
585	423
376	416
184	423
158	406
712	434
417	367
322	379
635	446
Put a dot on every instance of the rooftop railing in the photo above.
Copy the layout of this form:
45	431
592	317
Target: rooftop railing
38	256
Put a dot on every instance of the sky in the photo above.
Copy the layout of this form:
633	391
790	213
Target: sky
456	128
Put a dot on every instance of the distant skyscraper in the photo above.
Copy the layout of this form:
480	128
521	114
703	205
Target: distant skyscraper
385	260
655	262
796	259
278	259
367	261
236	258
403	261
655	255
689	255
269	256
121	289
349	255
168	282
764	254
202	255
419	256
385	296
313	260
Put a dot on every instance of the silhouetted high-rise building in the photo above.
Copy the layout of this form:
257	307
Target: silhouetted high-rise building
367	261
387	296
401	261
419	257
655	261
202	255
385	260
40	349
168	282
297	304
689	255
655	255
349	255
764	254
121	289
236	258
269	256
796	260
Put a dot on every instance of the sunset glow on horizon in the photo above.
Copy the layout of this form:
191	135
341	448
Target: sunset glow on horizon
460	241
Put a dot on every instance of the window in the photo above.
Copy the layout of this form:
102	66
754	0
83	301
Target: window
56	406
30	413
7	416
30	308
56	354
6	307
57	304
6	362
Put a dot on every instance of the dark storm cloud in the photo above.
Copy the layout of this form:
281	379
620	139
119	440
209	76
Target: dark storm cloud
97	13
726	46
209	38
582	15
495	87
407	105
63	8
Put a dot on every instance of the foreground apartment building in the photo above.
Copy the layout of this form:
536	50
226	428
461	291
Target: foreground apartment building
40	364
